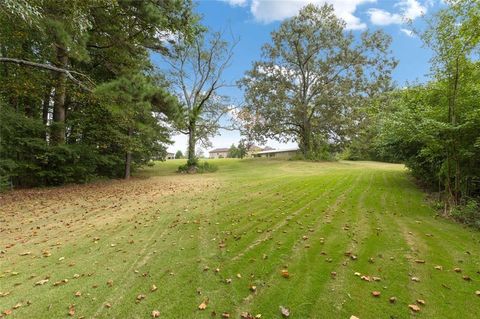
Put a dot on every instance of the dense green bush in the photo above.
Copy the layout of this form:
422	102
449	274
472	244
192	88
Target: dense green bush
199	167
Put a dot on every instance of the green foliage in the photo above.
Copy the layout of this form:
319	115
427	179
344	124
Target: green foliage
52	131
178	155
312	80
198	167
233	152
468	214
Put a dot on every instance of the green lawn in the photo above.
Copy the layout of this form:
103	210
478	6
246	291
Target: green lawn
251	219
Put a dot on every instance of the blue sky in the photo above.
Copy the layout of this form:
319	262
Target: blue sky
253	20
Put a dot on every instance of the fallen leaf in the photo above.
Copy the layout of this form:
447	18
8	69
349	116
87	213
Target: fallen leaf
420	261
108	305
41	282
354	317
225	315
71	310
467	278
7	312
457	269
110	283
153	288
253	288
438	267
414	308
285	312
376	293
78	294
155	314
392	299
477	293
416	279
203	305
421	302
140	297
285	273
18	305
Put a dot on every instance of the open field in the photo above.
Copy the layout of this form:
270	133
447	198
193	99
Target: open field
109	242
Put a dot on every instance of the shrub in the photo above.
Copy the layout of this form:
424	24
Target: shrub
204	167
468	213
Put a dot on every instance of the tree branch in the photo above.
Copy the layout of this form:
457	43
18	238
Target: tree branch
68	73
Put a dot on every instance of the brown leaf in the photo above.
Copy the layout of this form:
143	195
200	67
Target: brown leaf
7	312
376	293
354	317
457	269
285	273
438	267
155	314
421	302
18	305
153	288
78	294
225	315
203	305
71	310
41	282
285	312
477	293
110	283
414	308
393	299
416	279
467	278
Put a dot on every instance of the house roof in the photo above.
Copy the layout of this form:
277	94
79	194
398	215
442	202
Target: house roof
219	150
293	149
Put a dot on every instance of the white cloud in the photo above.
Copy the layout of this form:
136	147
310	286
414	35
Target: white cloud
267	11
236	3
408	10
408	32
411	9
382	17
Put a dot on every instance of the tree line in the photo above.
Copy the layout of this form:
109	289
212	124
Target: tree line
80	97
434	128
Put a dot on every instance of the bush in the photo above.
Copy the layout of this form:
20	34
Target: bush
204	167
468	214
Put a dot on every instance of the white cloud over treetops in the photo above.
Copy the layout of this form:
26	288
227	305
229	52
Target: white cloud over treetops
407	10
266	11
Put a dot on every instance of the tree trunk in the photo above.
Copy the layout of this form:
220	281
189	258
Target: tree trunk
46	110
58	127
306	140
192	160
128	156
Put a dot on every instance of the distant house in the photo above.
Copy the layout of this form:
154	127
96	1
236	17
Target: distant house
218	153
170	156
286	153
254	149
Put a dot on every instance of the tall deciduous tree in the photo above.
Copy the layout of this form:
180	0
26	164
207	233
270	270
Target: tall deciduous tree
311	80
195	70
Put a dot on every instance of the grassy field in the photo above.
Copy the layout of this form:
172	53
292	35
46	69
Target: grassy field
169	242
